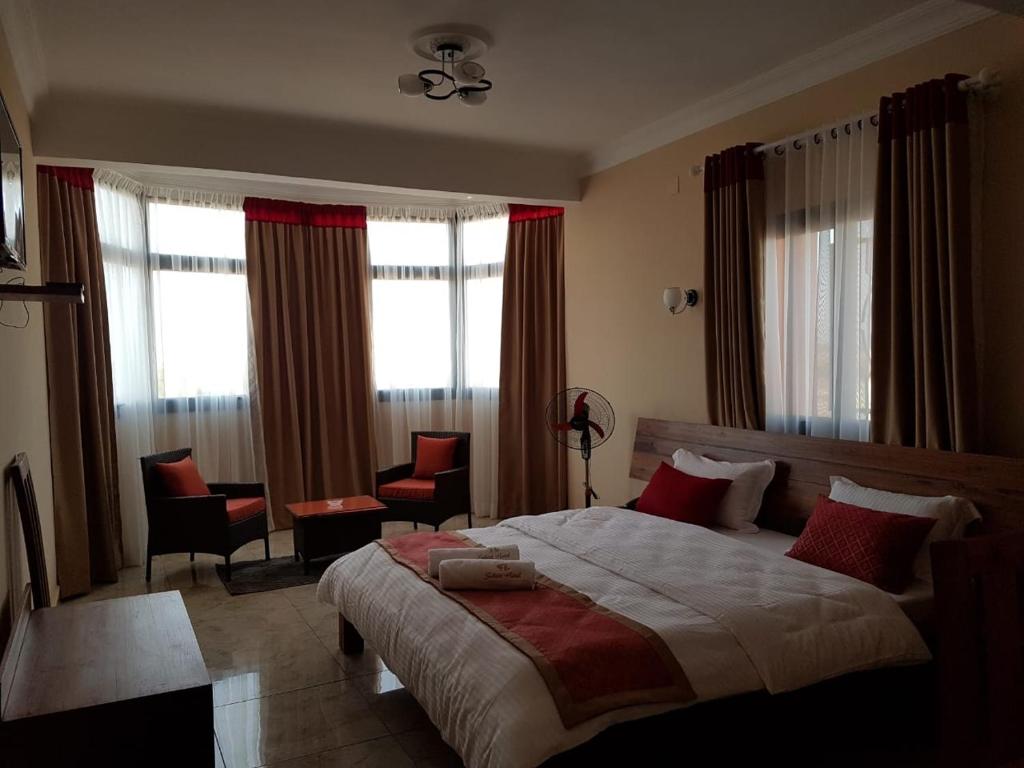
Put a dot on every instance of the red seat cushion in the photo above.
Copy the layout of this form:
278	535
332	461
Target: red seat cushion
433	455
181	478
410	488
876	547
678	496
242	509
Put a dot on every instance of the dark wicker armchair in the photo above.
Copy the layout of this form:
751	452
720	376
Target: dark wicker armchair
428	501
234	514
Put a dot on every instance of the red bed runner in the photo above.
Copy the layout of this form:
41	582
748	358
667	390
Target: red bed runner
592	660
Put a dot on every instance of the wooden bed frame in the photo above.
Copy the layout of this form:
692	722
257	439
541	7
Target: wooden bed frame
836	716
804	465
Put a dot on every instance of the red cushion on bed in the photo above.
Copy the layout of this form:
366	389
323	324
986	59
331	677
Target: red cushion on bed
876	547
682	497
433	455
181	478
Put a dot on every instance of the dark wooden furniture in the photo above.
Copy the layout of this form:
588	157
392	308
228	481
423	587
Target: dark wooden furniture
323	528
198	523
979	601
25	493
451	495
114	683
804	465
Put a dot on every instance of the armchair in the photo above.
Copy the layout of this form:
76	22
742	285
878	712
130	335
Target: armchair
218	524
428	501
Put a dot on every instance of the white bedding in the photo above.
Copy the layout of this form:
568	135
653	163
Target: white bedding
737	618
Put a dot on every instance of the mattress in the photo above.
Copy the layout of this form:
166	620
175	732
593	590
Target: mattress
916	601
737	618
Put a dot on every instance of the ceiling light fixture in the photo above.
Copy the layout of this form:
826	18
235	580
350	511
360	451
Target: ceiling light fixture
460	74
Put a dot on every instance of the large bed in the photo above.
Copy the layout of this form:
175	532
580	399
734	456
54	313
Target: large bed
737	615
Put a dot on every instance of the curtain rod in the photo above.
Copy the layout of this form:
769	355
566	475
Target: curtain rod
983	81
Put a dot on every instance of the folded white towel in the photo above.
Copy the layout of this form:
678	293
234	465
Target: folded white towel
509	552
487	574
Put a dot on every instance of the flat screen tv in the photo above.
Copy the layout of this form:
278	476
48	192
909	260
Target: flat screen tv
12	244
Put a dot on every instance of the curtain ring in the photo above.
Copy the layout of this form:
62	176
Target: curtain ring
847	129
797	144
834	132
780	150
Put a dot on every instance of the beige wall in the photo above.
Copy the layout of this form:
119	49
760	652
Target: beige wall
633	235
24	424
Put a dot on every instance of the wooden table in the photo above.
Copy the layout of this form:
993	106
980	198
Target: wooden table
333	526
114	683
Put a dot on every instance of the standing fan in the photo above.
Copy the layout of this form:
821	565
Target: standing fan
581	419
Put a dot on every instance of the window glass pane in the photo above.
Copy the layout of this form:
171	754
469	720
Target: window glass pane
411	334
483	331
185	230
408	244
201	334
483	241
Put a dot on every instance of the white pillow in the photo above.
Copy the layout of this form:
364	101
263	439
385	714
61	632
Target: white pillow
742	501
952	514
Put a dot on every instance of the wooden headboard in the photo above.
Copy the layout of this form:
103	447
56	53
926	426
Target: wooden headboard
804	464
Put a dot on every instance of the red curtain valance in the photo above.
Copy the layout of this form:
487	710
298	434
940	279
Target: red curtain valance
531	212
76	177
740	163
288	212
923	107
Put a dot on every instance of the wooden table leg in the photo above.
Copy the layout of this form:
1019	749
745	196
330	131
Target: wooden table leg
349	639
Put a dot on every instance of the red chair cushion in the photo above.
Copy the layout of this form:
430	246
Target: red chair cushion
181	478
243	509
410	488
876	547
433	455
678	496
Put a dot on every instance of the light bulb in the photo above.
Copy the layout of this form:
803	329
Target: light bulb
411	85
672	298
468	72
472	98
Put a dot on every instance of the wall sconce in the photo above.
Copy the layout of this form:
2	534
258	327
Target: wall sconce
677	300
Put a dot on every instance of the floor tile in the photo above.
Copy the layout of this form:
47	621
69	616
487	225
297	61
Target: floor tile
290	725
426	748
391	702
379	753
261	671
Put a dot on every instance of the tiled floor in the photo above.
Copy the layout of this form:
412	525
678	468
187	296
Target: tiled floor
284	695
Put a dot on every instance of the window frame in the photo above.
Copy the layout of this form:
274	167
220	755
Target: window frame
173	262
449	273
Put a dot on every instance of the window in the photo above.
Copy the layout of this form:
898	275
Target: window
820	206
199	301
437	303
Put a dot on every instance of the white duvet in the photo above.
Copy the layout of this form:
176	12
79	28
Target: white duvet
737	618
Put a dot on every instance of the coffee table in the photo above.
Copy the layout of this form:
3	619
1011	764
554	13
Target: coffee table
333	526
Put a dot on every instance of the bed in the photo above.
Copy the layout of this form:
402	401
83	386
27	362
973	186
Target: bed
738	616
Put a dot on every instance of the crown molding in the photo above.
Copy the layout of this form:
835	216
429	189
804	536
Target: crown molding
907	29
23	41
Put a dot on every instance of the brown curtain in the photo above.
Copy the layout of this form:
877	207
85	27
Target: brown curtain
309	283
734	232
923	362
532	466
83	448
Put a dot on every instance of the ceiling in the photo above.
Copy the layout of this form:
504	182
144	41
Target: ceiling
571	77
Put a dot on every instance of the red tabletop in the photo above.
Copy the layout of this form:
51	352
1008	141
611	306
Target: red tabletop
348	504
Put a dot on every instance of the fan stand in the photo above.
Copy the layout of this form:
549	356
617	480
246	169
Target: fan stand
588	492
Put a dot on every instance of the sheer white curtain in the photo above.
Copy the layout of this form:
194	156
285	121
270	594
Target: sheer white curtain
120	218
820	202
437	286
179	336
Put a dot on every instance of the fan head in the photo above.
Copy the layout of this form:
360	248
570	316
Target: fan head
580	418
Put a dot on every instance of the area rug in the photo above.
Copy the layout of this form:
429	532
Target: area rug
266	575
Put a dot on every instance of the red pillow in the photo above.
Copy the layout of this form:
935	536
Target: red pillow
182	478
876	547
433	455
682	497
